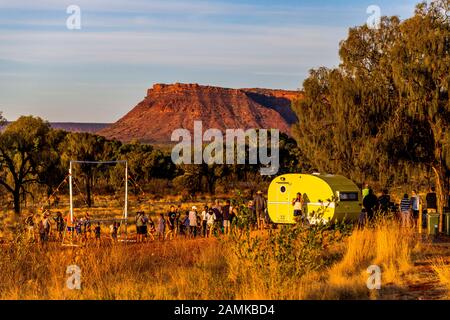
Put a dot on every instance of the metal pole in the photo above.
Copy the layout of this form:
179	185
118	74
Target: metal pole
71	193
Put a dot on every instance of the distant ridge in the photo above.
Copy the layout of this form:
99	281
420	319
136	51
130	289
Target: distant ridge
171	106
78	126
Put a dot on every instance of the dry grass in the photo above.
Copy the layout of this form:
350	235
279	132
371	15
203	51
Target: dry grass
207	269
442	270
386	245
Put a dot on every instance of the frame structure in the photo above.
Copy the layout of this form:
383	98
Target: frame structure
125	209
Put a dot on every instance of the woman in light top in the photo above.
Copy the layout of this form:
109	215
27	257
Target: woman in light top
298	205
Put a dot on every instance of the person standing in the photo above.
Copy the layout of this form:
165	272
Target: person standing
405	210
385	201
211	219
365	190
59	220
226	217
370	203
161	227
30	224
431	201
193	222
178	223
415	205
260	208
44	228
114	230
234	213
185	225
70	225
171	220
204	221
97	232
140	226
87	227
298	206
151	229
219	216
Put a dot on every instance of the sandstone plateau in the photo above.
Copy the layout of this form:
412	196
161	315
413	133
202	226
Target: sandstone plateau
169	107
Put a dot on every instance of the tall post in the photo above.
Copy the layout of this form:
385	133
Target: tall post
71	193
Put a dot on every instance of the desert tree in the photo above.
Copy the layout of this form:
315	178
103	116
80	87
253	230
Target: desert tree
24	150
384	111
421	63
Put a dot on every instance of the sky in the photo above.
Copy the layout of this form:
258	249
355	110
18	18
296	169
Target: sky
99	72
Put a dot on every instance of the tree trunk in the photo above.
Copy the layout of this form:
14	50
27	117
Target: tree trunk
16	196
441	191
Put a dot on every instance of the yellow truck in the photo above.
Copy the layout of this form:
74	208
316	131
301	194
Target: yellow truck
326	198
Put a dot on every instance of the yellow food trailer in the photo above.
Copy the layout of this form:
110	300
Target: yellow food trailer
327	198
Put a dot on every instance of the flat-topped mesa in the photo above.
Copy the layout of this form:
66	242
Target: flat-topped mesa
172	106
162	87
186	87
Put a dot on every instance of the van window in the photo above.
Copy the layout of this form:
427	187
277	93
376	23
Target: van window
348	196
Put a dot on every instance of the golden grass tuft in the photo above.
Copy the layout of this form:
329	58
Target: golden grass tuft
442	270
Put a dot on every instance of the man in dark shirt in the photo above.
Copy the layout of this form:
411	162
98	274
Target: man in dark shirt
370	203
431	200
226	217
260	208
385	201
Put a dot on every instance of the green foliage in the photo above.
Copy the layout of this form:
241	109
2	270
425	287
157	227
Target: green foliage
384	113
25	152
286	254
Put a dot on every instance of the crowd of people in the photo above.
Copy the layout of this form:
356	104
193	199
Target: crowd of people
219	218
211	220
408	208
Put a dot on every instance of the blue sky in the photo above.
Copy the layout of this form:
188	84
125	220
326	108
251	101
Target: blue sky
100	72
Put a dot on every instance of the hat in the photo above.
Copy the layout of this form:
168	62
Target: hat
194	208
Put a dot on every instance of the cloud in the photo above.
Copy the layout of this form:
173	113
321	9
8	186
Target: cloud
141	6
244	45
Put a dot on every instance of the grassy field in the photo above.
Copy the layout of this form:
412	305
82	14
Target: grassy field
287	263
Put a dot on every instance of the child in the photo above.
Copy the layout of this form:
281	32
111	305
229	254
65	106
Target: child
97	231
210	219
78	226
44	228
185	225
151	229
87	226
161	226
114	228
